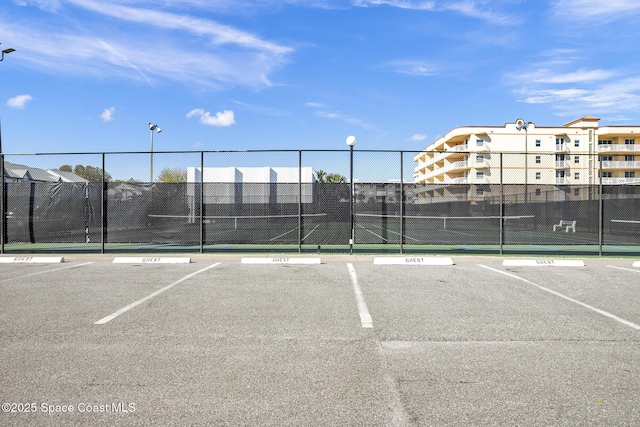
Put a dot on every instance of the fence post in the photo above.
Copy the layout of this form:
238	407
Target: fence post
299	201
401	202
3	216
600	208
501	206
201	202
103	208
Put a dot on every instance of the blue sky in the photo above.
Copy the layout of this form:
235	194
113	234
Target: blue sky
87	75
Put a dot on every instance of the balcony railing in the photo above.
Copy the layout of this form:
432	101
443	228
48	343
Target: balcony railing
619	181
562	164
609	148
562	181
609	164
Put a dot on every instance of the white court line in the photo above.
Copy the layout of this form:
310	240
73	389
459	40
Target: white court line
592	308
363	311
46	271
625	269
148	297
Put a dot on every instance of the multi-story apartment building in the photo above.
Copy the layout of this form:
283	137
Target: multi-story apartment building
536	157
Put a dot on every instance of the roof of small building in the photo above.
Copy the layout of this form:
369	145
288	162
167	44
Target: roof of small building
29	173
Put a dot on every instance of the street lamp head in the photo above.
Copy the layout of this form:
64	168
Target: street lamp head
153	127
7	50
158	129
351	141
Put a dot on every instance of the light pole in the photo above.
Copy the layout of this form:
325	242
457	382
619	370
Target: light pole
351	142
152	127
520	124
4	51
3	193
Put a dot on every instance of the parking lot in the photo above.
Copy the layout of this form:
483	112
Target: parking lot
346	341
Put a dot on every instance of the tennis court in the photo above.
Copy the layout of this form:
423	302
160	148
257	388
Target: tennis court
373	234
218	341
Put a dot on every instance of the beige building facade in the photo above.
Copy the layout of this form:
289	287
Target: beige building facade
534	157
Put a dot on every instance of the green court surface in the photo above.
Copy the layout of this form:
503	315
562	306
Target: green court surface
358	248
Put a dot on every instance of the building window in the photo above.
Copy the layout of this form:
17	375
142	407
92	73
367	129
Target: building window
629	158
538	192
537	159
607	174
605	142
576	143
479	142
576	175
479	191
479	159
538	143
479	176
629	141
576	159
576	191
538	175
629	174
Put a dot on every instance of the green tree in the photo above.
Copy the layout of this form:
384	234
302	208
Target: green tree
173	175
330	177
90	173
335	178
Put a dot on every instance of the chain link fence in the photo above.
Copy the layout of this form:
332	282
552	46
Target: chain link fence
305	201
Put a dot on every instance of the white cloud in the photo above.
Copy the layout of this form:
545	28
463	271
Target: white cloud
48	5
314	105
568	89
547	76
220	119
19	101
402	4
150	44
470	8
418	137
596	10
107	114
321	111
412	68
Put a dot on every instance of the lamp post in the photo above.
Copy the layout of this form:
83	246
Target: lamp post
351	142
520	124
152	127
3	193
4	51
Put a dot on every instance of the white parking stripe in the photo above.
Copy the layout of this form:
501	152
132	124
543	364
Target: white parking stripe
597	310
363	311
148	297
625	269
46	271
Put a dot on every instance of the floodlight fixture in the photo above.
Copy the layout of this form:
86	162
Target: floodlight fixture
7	50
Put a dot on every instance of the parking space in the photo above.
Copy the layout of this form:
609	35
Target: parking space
221	342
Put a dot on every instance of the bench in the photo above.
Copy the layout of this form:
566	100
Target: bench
565	224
